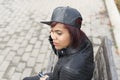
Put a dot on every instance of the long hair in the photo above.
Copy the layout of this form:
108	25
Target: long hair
76	34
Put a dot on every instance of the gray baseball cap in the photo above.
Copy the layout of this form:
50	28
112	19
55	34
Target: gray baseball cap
66	15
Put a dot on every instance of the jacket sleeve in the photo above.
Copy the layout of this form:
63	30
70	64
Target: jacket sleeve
69	74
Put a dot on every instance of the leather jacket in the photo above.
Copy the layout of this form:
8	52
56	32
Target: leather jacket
74	64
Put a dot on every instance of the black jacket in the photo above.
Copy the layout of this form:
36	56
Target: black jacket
74	64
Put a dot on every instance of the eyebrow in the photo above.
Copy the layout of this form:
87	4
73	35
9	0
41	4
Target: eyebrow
55	30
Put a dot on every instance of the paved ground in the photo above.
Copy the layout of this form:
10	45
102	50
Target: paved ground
24	46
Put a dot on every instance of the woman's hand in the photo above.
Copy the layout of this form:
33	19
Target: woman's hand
44	78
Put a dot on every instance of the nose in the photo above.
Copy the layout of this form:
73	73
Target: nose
53	36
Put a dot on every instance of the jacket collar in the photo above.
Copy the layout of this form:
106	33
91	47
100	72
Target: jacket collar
66	51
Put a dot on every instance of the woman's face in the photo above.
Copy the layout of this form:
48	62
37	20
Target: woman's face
60	36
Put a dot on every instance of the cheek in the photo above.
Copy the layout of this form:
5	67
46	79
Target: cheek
65	41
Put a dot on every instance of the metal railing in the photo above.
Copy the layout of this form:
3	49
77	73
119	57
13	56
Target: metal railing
104	64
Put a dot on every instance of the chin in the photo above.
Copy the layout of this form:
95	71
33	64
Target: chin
58	48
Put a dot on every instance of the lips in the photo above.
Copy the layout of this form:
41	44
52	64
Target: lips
54	43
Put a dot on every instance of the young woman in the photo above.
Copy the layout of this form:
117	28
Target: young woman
71	45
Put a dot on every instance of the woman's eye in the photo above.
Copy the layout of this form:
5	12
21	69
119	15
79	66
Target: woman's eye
59	33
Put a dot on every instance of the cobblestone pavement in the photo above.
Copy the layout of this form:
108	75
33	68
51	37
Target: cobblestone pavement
24	46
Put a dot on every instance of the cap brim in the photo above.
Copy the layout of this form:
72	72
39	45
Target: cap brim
48	23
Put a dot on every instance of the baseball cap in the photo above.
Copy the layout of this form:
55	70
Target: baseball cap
66	15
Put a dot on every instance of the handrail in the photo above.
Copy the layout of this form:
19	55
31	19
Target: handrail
104	64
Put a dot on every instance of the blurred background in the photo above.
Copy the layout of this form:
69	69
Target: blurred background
118	4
